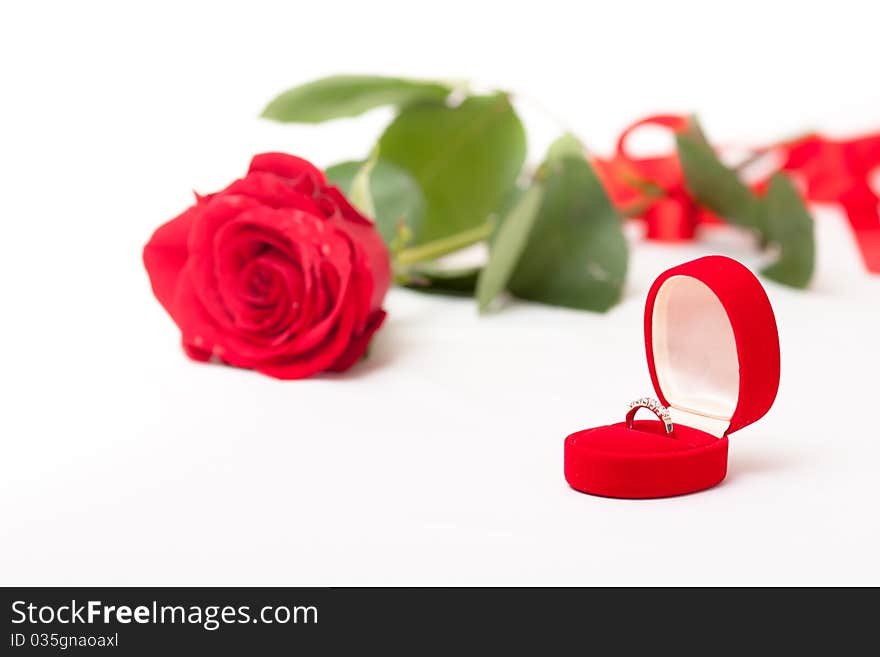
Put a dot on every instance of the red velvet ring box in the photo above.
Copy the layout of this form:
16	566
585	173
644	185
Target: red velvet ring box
713	355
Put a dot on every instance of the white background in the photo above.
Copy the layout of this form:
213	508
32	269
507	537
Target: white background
440	460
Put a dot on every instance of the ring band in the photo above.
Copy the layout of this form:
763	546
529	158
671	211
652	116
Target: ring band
652	405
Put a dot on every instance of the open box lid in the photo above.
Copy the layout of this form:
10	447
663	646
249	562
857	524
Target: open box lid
712	344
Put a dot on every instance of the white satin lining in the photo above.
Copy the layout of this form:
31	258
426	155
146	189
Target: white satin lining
695	355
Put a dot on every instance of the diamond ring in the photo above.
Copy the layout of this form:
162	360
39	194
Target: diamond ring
652	405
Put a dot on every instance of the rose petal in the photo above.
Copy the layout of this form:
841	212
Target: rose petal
268	314
278	272
301	174
287	316
195	353
318	359
315	244
363	284
319	245
335	272
166	253
200	336
331	199
367	242
273	191
237	221
359	343
241	247
218	211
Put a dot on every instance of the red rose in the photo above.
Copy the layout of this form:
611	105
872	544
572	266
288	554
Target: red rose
278	272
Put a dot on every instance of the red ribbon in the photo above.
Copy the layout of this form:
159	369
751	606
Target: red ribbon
829	172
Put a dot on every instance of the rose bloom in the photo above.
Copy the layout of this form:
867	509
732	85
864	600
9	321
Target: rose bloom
277	273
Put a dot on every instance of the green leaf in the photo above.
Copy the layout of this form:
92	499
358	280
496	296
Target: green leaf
576	254
508	245
511	199
342	174
695	131
567	145
349	95
780	219
459	282
465	159
396	195
789	228
361	197
714	185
